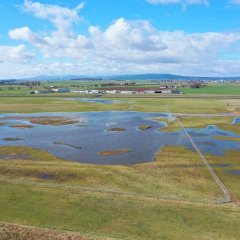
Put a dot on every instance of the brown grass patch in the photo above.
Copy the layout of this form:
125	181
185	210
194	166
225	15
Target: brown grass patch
17	232
144	127
116	129
13	139
45	120
114	152
20	126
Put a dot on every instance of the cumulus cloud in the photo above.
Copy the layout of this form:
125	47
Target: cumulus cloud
61	17
139	42
130	41
123	47
59	42
16	54
26	34
183	2
127	35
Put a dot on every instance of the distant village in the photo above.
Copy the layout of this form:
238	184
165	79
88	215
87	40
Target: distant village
99	86
128	88
111	88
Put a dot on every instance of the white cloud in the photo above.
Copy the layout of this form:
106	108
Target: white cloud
235	2
139	42
26	34
16	54
61	17
123	47
183	2
128	35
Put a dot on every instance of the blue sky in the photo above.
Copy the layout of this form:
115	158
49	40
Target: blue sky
104	37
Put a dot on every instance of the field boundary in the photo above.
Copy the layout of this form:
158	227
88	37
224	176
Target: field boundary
227	196
105	192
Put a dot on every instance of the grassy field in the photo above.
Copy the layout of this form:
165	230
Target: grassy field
201	122
215	88
229	171
227	88
127	202
72	85
118	217
173	197
54	104
176	177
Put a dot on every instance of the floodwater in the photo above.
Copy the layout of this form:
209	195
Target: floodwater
236	120
91	100
204	139
233	172
82	141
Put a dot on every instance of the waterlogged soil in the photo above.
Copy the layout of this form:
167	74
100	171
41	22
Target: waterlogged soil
212	140
13	139
236	120
44	120
15	156
114	152
91	100
233	172
83	144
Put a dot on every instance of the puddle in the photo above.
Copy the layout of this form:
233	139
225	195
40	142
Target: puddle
222	165
46	176
236	120
15	157
233	172
91	100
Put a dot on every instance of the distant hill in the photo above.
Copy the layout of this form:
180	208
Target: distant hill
52	77
165	77
131	77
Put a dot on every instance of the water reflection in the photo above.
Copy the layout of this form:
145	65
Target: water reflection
83	143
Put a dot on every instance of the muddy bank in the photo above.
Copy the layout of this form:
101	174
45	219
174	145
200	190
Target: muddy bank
114	152
44	120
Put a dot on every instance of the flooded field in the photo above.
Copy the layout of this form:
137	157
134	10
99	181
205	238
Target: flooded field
92	100
236	120
107	137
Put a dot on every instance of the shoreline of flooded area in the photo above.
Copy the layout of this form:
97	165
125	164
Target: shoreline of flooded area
82	136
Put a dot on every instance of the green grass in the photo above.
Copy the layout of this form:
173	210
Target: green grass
118	217
225	138
144	127
211	88
177	173
230	127
215	88
54	104
231	181
168	199
199	122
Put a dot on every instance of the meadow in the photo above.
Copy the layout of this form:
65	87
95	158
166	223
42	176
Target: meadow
29	104
215	88
173	197
212	88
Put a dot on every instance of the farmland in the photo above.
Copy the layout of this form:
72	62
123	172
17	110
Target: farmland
172	197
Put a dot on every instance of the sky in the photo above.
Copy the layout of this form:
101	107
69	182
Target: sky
111	37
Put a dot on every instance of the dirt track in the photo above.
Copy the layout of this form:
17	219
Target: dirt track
227	196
